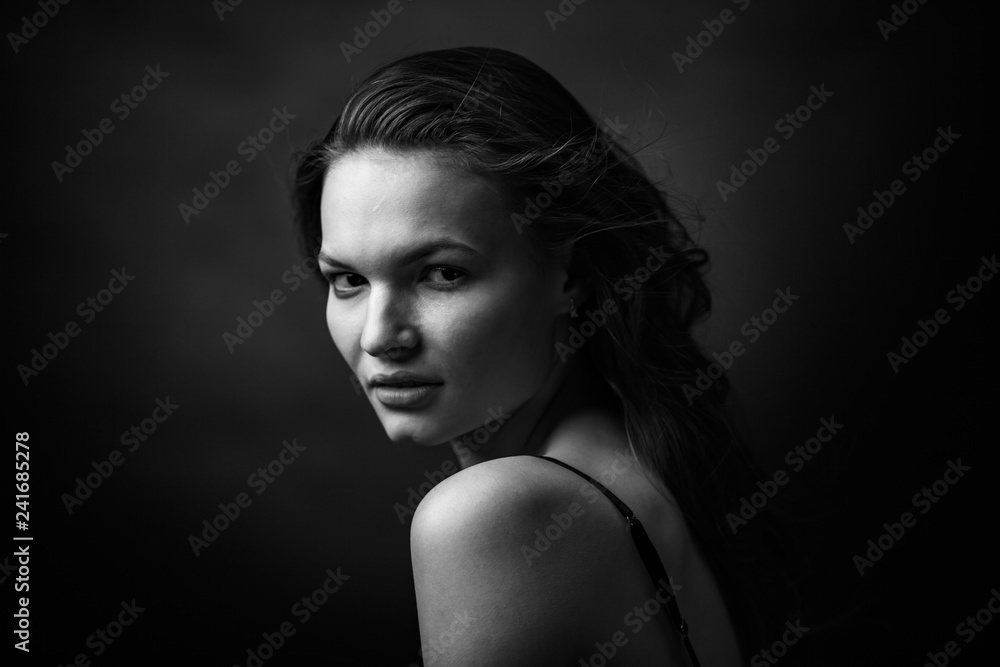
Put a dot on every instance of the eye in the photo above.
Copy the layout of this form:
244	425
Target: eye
345	283
444	276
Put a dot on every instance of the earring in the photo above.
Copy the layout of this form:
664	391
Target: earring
572	310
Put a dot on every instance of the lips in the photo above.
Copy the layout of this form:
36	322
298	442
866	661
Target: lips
401	379
404	390
403	384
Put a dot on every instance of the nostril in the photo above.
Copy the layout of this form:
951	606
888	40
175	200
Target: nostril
405	341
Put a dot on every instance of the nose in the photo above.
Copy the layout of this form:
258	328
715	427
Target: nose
388	331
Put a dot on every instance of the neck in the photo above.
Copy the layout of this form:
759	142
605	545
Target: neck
570	386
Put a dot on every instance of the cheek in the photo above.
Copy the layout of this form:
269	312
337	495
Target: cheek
500	346
344	331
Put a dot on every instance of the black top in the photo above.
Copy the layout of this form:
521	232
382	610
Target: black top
647	551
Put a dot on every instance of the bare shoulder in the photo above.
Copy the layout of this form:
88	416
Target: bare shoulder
512	564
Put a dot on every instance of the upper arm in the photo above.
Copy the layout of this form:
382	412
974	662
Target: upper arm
509	569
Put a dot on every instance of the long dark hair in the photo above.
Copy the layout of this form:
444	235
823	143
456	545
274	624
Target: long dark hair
569	183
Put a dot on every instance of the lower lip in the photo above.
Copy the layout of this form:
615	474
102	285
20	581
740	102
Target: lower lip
406	397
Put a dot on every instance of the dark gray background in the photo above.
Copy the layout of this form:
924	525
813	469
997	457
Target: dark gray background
334	507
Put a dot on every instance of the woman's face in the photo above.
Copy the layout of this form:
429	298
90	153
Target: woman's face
436	301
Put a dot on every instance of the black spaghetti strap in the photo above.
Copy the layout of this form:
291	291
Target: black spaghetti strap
650	558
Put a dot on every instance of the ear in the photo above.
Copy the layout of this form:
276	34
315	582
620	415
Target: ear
578	282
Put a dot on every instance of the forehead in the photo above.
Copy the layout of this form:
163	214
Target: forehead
373	200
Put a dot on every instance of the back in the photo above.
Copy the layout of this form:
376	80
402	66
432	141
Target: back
596	445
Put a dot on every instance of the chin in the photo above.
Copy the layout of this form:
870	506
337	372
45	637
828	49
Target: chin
411	430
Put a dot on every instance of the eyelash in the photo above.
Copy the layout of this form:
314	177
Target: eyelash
440	286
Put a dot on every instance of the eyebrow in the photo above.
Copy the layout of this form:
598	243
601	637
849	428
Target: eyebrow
412	255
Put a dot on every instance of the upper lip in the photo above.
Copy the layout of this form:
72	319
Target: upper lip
399	378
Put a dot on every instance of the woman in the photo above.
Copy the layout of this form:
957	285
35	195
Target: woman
505	278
